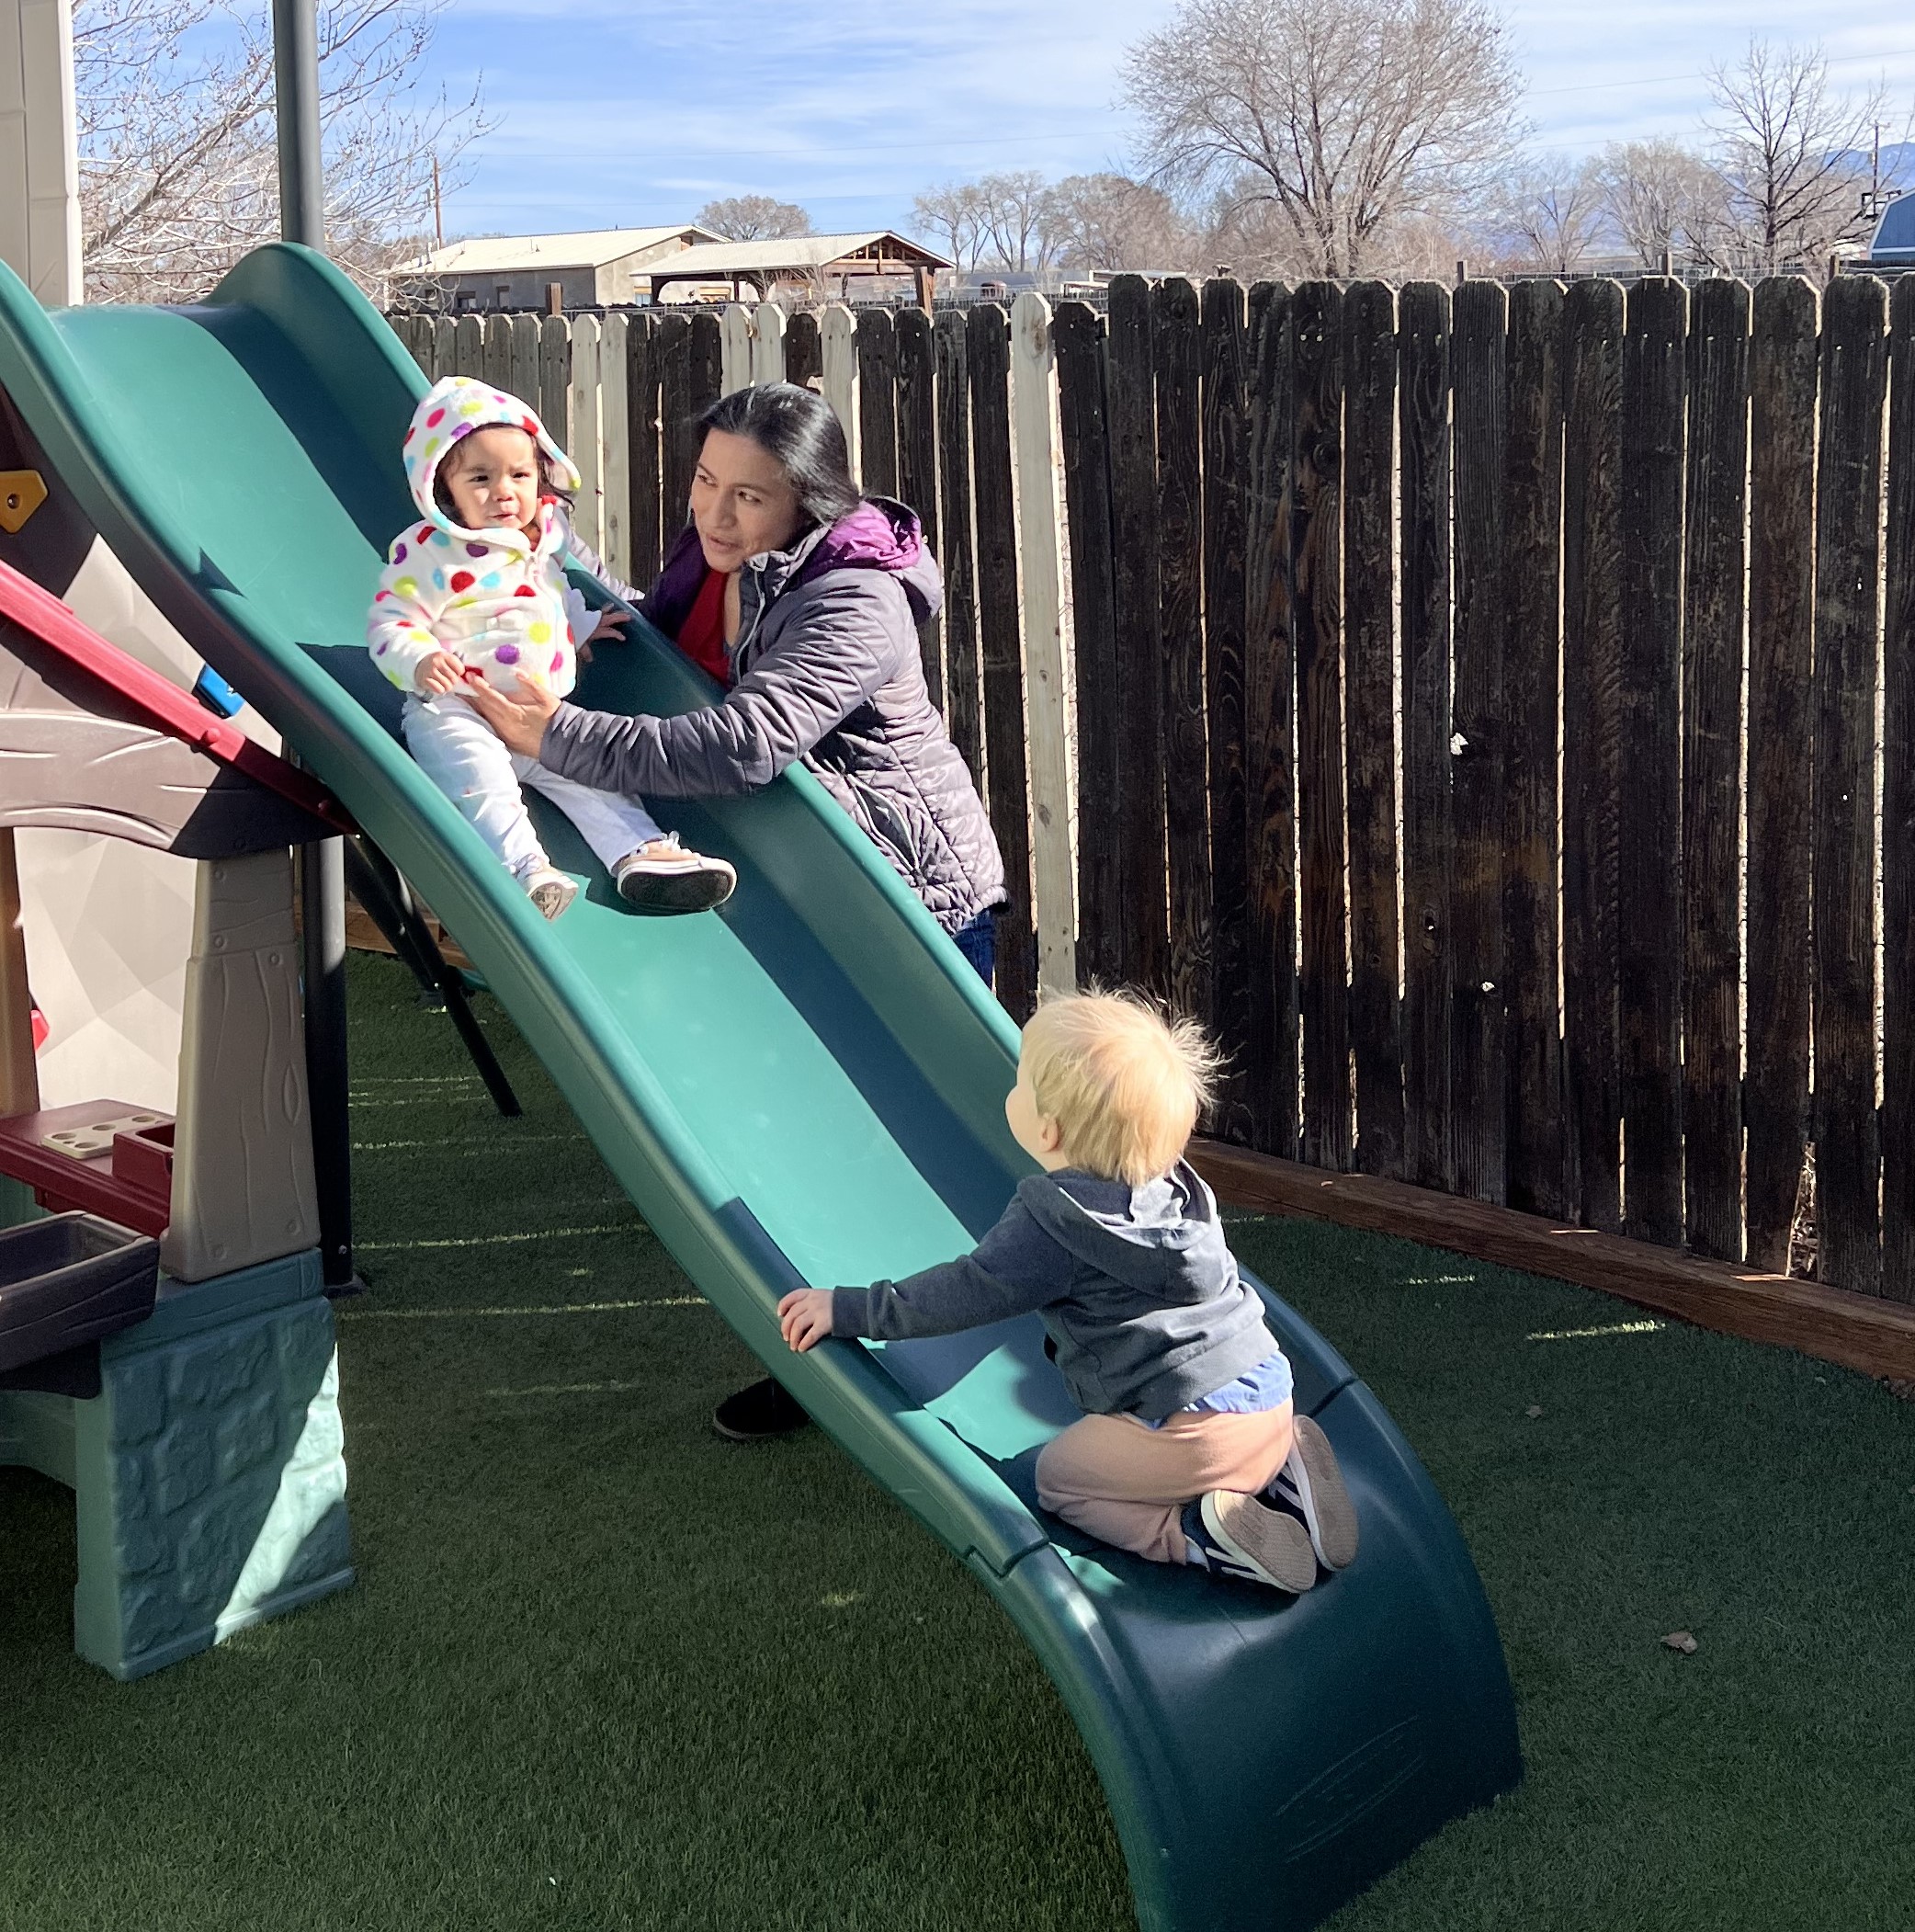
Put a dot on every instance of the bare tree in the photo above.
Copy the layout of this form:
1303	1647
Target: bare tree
754	218
1790	157
1014	209
1339	114
1658	198
1111	221
1547	216
954	215
177	143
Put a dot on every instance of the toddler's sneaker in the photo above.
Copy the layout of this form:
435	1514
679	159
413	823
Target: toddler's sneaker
552	891
1241	1536
665	877
1311	1485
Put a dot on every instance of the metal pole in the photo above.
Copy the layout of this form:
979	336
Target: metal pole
302	191
303	218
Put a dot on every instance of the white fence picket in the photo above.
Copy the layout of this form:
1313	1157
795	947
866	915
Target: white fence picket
734	347
586	517
615	444
837	347
768	343
1040	525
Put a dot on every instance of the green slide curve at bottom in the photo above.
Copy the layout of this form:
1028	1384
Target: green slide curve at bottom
805	1086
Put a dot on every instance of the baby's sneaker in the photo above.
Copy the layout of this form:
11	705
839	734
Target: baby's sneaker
1241	1536
1311	1485
550	890
666	876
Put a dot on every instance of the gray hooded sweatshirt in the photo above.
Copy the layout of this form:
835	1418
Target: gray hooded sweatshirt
1136	1287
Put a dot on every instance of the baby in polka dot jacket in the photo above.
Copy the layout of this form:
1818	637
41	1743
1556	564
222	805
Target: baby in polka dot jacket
476	589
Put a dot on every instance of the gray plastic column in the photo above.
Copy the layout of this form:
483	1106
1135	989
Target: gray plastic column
303	218
303	194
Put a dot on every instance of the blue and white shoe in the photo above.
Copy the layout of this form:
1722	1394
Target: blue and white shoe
1241	1536
1310	1485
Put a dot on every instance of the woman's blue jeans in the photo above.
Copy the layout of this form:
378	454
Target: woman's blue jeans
978	942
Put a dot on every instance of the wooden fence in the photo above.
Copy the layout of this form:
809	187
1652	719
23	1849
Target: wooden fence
1493	711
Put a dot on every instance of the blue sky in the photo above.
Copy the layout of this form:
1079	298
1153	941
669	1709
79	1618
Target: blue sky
615	114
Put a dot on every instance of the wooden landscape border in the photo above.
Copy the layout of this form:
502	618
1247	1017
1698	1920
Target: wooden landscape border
1834	1325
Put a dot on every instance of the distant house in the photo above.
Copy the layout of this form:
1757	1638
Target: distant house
595	269
875	262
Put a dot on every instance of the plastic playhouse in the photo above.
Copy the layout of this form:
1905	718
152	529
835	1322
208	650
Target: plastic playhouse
166	1349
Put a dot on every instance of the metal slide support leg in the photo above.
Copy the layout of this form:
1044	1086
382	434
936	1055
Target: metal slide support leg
303	195
323	941
377	886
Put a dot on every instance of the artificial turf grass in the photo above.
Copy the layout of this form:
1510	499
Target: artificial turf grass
602	1669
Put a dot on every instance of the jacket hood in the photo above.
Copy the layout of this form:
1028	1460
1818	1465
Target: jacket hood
452	409
1163	1238
880	535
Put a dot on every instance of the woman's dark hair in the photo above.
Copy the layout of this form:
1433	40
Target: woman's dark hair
800	430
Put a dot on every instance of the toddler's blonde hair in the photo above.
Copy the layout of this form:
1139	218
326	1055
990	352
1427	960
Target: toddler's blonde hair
1124	1082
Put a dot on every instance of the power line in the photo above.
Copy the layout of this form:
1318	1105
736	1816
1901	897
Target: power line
1660	80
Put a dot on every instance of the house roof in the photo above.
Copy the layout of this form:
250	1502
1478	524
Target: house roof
718	261
588	248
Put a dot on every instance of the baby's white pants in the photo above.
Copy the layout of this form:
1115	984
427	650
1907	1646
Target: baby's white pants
460	754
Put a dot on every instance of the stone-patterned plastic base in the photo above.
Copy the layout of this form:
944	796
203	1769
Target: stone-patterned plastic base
210	1473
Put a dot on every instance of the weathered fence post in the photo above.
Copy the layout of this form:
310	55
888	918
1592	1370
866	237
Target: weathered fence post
1177	354
1270	1085
1781	381
1222	329
1131	403
803	358
1479	992
1007	788
1717	516
1531	645
917	464
1040	574
964	719
496	360
1898	814
1649	895
878	400
1591	755
555	379
641	436
1077	335
1316	594
1847	670
524	361
1369	721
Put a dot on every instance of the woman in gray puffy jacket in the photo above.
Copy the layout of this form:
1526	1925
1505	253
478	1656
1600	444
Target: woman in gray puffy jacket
803	599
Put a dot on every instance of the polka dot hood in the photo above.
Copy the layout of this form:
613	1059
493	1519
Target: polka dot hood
495	600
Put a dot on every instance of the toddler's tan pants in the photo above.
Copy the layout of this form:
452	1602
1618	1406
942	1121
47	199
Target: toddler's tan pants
1127	1484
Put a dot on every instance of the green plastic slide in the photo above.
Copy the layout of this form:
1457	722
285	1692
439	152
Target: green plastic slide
805	1086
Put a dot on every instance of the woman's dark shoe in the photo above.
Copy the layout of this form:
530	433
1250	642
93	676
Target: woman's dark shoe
759	1413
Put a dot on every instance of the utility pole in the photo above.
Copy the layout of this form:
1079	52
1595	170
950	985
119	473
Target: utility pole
303	218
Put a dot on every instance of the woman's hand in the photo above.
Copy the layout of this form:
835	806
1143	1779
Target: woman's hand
611	624
805	1317
519	723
